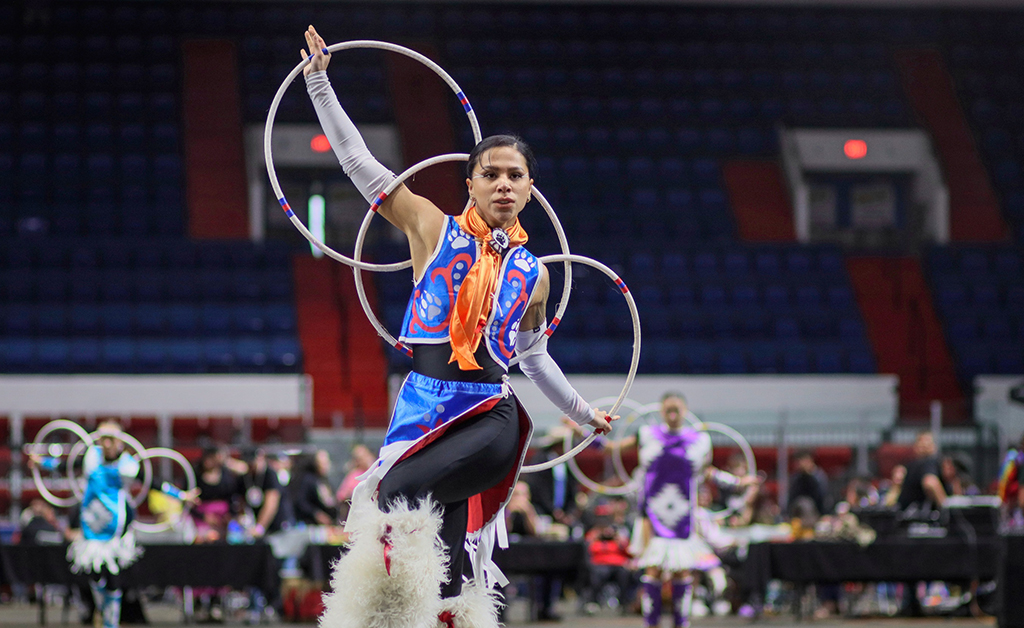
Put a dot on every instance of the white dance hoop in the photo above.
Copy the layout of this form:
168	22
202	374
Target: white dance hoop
268	130
129	441
361	236
628	483
40	444
633	364
748	454
190	478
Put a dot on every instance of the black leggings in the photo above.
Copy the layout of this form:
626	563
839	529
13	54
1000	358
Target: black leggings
468	459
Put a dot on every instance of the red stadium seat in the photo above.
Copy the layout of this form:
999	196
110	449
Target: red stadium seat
277	429
145	429
191	430
888	455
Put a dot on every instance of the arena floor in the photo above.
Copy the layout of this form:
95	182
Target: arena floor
23	615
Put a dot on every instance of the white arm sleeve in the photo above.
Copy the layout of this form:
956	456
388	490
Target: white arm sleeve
369	175
543	371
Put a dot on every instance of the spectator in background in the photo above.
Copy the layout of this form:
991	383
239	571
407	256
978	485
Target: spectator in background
521	516
359	462
40	525
808	481
218	486
312	494
608	549
956	477
1011	475
893	486
268	507
553	492
923	486
861	493
740	500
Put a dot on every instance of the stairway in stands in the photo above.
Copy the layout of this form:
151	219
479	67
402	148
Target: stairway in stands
760	201
974	213
904	331
214	153
322	336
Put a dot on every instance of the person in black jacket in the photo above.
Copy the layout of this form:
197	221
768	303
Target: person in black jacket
312	496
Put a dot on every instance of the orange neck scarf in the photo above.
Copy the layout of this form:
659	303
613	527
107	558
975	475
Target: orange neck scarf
475	299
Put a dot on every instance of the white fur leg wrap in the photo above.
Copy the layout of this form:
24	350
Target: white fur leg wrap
476	607
363	594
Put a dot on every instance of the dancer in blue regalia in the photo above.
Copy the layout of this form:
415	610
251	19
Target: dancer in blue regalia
107	544
426	517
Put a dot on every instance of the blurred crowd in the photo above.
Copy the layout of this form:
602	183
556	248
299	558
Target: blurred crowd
242	498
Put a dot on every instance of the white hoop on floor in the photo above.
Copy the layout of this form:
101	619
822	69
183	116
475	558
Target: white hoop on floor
190	480
634	362
361	236
39	444
268	155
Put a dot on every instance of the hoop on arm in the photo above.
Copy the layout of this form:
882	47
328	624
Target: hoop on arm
748	454
39	447
634	361
268	155
190	480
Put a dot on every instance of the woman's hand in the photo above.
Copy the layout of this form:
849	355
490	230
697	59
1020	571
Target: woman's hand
316	45
602	422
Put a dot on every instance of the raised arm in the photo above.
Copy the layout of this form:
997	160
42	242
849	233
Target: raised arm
542	370
417	217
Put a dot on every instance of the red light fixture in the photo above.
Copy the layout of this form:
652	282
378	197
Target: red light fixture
855	149
320	144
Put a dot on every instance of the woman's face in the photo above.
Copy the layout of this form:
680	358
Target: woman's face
500	185
323	462
673	409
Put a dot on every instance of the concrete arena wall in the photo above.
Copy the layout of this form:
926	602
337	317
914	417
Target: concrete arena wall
262	395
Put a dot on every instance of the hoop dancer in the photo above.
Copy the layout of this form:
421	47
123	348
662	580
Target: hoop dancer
674	458
107	544
431	509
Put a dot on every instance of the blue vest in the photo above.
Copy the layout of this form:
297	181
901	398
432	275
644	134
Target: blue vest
433	297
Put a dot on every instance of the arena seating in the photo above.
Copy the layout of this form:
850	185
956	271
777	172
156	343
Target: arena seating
633	111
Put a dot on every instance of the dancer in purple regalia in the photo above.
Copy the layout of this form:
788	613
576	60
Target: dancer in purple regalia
674	459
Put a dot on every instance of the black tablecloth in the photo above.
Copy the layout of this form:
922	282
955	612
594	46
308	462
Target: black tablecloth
523	557
885	560
212	565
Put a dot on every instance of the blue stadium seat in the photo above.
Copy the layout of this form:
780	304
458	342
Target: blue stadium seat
764	357
776	296
787	328
700	358
828	358
53	354
117	355
795	359
218	354
17	354
732	359
1009	360
117	318
251	354
285	353
152	355
85	318
183	319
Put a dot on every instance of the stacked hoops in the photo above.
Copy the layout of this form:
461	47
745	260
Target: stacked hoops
85	440
566	258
